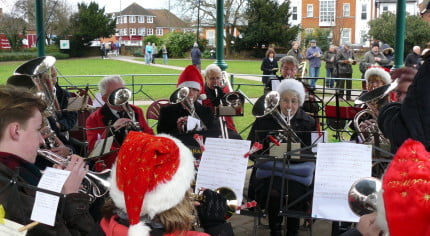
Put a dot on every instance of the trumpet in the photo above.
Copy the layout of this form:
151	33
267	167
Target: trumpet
120	97
227	193
95	184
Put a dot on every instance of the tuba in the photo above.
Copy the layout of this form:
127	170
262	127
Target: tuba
95	184
36	75
180	95
362	195
374	100
120	97
268	104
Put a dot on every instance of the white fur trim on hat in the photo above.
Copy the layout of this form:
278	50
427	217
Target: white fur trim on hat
165	195
292	85
190	84
140	229
380	212
379	72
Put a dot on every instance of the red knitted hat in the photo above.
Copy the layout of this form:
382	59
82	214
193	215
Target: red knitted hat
406	191
151	175
192	78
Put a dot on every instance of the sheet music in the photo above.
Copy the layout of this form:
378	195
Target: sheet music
338	166
318	137
223	165
97	151
193	124
275	84
278	151
10	228
45	205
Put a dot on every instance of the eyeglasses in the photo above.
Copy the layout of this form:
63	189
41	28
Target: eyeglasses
288	68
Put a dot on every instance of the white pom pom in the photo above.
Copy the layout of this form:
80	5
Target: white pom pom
139	229
203	97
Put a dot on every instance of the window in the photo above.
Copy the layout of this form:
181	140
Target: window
125	31
346	9
327	12
142	31
310	10
159	31
346	35
141	19
118	20
384	8
364	12
210	36
149	31
132	31
363	37
124	19
132	19
294	13
150	19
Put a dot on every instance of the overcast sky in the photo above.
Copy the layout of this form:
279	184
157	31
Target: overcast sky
110	5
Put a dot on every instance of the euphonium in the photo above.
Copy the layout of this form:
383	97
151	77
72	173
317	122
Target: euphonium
180	95
374	100
95	183
268	104
227	193
362	195
120	97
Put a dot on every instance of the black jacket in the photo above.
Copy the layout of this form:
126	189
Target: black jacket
399	122
267	68
344	68
413	60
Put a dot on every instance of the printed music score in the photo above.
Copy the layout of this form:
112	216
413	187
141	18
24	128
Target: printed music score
338	166
223	165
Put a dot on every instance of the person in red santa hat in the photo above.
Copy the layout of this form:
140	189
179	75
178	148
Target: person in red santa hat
149	188
174	118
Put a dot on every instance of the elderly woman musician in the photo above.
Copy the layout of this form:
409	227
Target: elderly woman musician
292	95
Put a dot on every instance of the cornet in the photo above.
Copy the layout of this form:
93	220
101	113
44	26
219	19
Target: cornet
95	183
180	95
227	193
120	97
362	195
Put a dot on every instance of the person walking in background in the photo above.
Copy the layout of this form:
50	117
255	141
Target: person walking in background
413	59
295	52
154	52
269	66
196	56
164	52
345	59
329	58
313	54
103	50
148	53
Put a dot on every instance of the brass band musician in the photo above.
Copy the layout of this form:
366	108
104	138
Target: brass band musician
113	117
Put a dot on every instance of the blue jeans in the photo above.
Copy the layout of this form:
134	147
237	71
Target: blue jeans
314	72
148	58
165	58
329	82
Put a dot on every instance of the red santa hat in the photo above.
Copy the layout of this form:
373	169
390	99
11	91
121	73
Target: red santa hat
406	192
151	175
192	78
382	72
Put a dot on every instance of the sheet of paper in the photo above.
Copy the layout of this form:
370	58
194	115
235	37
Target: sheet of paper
45	205
318	137
223	165
275	84
10	228
77	103
193	123
338	166
278	151
97	151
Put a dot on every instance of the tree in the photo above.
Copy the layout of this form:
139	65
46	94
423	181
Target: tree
14	29
178	43
88	24
56	15
233	15
268	24
384	29
321	36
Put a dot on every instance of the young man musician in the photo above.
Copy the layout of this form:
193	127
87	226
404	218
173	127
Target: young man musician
114	116
20	139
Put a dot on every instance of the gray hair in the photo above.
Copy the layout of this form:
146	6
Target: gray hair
103	84
289	59
212	68
196	45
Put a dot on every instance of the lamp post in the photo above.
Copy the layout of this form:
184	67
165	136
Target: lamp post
220	35
40	41
400	33
198	21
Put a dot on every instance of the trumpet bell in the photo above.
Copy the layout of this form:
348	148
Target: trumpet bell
363	194
266	104
179	95
377	93
36	66
231	200
119	96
